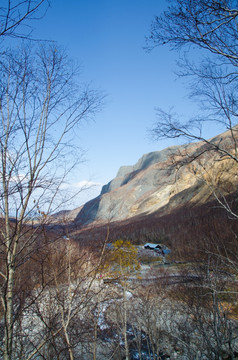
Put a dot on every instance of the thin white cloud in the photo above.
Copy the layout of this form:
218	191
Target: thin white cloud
80	192
83	184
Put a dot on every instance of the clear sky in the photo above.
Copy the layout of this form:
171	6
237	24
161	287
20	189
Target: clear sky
107	38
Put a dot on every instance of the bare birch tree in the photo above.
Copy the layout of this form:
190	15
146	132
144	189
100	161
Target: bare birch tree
209	27
204	34
41	103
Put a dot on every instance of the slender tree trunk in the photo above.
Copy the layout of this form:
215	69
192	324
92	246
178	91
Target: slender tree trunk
10	274
125	323
8	328
71	355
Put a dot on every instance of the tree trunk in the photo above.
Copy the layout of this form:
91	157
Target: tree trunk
125	323
8	328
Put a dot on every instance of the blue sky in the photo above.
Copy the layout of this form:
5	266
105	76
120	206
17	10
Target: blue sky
107	37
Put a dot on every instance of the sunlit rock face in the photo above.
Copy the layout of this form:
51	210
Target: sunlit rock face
161	181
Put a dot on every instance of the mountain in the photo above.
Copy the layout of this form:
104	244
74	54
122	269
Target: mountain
162	181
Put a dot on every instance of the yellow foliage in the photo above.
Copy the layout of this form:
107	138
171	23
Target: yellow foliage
123	260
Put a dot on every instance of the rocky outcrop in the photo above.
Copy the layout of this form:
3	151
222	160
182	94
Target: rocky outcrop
127	173
164	180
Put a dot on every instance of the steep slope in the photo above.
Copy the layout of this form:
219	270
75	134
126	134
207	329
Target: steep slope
164	180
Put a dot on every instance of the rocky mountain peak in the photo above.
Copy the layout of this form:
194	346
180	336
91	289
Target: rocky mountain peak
163	180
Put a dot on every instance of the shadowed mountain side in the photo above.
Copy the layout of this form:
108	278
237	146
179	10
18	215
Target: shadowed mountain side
89	211
164	180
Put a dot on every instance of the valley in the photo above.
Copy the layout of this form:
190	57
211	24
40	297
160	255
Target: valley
147	269
179	306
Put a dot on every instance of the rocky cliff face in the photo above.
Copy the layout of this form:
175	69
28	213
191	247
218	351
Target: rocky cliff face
164	180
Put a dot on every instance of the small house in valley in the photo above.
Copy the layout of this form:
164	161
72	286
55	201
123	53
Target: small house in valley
161	249
152	246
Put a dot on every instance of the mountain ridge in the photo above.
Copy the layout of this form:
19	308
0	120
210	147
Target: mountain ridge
163	180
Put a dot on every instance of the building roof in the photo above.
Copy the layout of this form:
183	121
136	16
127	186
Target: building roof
153	246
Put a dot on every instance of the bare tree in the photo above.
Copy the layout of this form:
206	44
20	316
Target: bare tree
211	27
41	103
205	34
16	14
